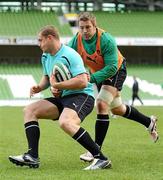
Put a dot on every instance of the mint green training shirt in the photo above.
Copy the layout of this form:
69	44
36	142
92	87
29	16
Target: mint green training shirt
73	61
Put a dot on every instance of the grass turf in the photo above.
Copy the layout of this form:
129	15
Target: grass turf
134	156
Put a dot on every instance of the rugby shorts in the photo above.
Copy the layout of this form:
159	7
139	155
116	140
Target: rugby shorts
117	80
82	103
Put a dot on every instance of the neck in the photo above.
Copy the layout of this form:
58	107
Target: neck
56	48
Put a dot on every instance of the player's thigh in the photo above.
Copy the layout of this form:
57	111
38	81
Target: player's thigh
82	104
44	109
69	116
118	79
69	121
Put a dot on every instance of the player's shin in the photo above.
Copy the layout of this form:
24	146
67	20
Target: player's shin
33	134
86	141
101	128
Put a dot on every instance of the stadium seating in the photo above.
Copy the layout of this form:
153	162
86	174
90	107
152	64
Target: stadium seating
19	72
11	74
24	24
28	23
134	24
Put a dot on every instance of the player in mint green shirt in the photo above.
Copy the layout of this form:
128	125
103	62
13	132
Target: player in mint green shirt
70	108
74	63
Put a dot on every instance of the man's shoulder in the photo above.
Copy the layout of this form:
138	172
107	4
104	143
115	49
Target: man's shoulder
107	36
44	56
70	52
107	41
73	41
69	49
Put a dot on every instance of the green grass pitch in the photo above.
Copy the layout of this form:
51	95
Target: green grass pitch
134	156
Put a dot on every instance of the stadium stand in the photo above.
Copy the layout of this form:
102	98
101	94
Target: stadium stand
27	23
139	34
134	24
12	76
85	5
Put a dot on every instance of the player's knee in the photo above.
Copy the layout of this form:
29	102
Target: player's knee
27	110
104	98
30	112
65	125
117	107
116	111
120	110
101	105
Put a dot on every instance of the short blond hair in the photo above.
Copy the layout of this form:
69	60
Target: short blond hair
87	16
50	30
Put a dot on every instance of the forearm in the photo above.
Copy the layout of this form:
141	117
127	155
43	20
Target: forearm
44	83
103	74
73	84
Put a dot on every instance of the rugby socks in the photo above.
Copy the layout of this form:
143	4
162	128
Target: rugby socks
134	114
33	134
101	127
86	141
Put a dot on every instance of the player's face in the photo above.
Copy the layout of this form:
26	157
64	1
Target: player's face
87	29
44	43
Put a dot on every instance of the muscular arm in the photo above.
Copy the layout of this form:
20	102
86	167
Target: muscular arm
44	82
73	43
103	74
78	82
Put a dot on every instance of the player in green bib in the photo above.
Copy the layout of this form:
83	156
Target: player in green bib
107	68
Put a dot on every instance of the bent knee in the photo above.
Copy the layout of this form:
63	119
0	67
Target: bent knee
30	112
101	104
27	110
65	125
105	97
120	110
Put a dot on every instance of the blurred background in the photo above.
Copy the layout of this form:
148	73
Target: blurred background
136	25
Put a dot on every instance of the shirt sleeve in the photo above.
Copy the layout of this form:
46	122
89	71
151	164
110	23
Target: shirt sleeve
43	61
74	62
110	54
73	43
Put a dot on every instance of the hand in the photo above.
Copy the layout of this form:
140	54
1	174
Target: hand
52	81
55	92
88	76
34	90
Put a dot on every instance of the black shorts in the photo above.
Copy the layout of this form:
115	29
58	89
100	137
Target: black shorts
83	104
117	80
